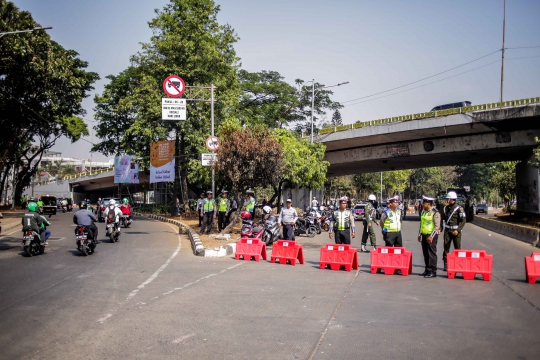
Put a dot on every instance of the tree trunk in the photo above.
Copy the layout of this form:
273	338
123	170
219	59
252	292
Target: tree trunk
234	220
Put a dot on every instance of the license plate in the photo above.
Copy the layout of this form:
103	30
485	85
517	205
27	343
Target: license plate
81	237
27	238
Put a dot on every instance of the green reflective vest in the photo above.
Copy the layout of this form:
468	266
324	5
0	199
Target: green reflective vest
392	222
342	219
209	205
251	204
427	225
223	204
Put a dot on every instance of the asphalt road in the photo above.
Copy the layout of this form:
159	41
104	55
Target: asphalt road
149	297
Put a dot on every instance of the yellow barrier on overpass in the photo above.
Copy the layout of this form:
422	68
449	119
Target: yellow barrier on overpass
432	114
88	173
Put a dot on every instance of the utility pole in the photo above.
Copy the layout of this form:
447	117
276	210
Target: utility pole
381	186
212	120
502	64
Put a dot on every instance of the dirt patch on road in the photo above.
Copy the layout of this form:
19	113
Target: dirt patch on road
209	241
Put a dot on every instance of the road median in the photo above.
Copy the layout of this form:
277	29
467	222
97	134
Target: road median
523	233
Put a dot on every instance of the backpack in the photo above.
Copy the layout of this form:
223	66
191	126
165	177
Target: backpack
111	215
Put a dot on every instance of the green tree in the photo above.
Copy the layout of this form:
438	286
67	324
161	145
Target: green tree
367	184
504	180
477	176
336	118
41	89
187	41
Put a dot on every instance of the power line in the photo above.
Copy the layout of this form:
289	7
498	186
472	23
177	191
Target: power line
522	47
524	57
433	82
417	81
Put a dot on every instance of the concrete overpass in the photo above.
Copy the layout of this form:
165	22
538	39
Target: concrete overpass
479	134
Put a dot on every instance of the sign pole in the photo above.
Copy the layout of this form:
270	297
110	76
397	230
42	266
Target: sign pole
212	121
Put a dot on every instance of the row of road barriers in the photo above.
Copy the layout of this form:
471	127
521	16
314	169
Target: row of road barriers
468	263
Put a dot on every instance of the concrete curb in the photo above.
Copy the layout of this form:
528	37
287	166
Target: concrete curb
523	233
196	244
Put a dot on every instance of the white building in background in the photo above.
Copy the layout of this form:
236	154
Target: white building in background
81	165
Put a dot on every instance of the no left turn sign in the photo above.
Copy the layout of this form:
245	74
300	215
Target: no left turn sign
212	143
174	86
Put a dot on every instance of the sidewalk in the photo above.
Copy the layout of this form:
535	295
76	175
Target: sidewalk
11	221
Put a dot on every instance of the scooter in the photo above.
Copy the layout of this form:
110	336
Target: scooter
271	230
126	220
303	226
113	230
251	230
32	243
85	244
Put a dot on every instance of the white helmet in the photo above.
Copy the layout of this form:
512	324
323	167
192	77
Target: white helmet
372	197
267	209
322	208
451	195
112	202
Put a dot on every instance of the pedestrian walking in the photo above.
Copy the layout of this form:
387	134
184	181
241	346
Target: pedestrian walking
454	221
209	213
428	235
391	223
287	217
342	223
370	218
223	210
200	203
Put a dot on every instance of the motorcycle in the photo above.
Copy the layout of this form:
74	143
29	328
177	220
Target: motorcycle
126	220
32	243
113	230
325	223
303	226
64	208
85	244
251	230
314	221
271	230
101	213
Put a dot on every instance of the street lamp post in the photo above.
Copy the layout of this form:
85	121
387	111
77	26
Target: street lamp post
312	110
24	31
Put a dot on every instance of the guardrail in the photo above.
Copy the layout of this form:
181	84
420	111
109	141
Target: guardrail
432	114
88	173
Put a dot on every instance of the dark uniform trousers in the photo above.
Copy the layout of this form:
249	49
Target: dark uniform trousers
200	217
449	238
222	220
208	222
288	232
430	252
343	236
368	231
393	239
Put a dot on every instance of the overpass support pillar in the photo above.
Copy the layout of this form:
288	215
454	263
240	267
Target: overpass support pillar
528	187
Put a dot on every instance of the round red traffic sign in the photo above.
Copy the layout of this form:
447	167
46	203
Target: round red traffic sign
174	86
212	143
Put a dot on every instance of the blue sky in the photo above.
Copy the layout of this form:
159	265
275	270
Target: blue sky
375	45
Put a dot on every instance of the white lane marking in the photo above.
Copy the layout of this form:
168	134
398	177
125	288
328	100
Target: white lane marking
150	279
180	339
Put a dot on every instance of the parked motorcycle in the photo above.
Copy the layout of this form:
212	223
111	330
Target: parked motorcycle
303	226
32	243
113	230
126	220
251	230
85	243
271	230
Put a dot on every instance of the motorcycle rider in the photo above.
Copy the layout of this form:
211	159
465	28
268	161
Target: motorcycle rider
126	208
64	204
267	209
86	218
369	219
115	212
31	220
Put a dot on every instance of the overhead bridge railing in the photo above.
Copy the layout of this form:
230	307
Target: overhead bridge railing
432	114
88	173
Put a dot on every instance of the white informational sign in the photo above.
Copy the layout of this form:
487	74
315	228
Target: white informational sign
212	143
126	171
208	159
173	109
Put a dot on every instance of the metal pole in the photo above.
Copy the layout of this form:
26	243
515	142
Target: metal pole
312	106
212	120
381	186
24	31
502	64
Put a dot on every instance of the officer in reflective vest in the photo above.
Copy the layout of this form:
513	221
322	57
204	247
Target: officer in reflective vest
249	205
209	213
454	221
342	223
391	223
223	209
430	228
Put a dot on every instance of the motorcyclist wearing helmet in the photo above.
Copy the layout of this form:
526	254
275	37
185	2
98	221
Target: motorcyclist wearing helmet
32	221
223	205
114	212
267	209
370	218
86	218
454	219
126	208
